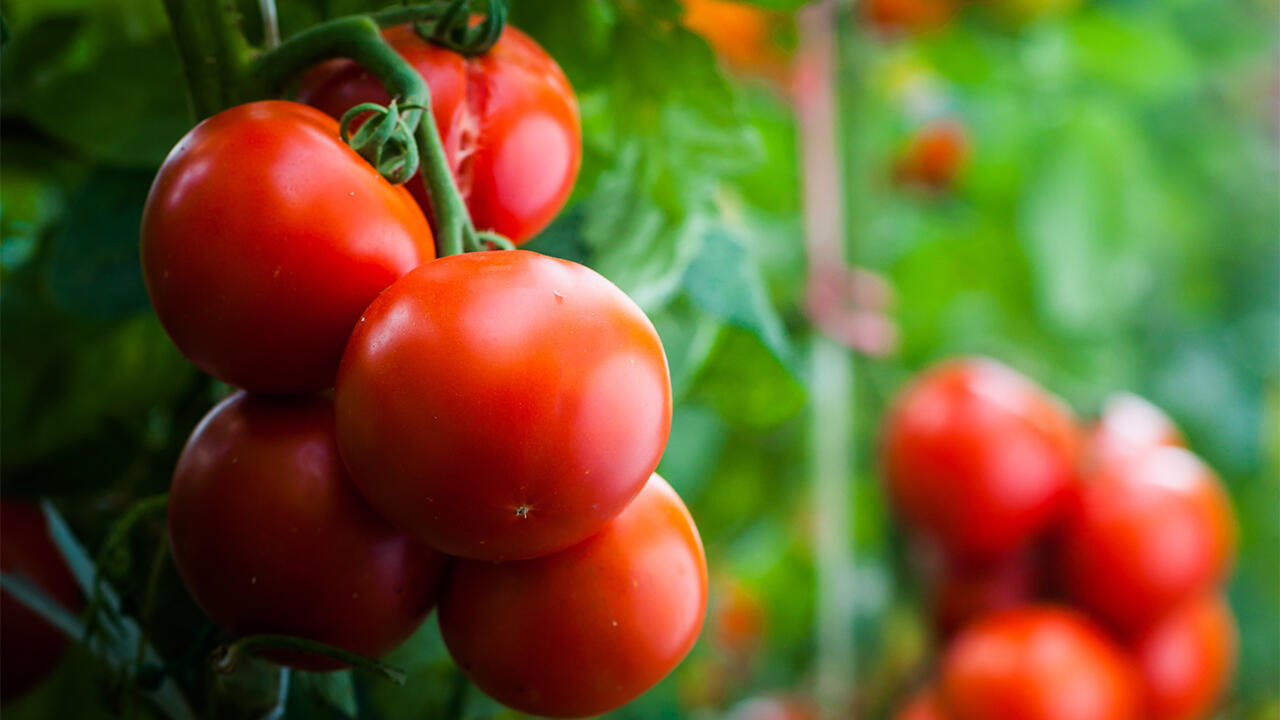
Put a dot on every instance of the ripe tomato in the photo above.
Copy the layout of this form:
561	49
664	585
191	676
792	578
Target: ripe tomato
907	16
1129	425
502	405
1187	658
30	648
508	120
270	536
1145	534
737	620
742	35
263	239
977	457
934	156
1038	663
922	706
963	592
588	629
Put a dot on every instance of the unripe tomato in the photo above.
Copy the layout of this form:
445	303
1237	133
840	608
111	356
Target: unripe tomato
1128	426
1187	658
30	648
270	536
908	16
263	239
502	405
508	120
934	156
977	457
590	628
964	592
1145	534
922	706
1038	663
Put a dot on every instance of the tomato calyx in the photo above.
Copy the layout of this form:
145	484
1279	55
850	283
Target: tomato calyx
226	658
385	140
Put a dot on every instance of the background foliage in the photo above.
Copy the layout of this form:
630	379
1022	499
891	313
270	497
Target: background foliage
1115	228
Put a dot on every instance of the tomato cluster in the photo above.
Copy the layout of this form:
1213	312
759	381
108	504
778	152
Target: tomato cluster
495	418
1074	572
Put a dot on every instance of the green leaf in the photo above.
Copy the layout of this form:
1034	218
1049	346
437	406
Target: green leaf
336	689
748	384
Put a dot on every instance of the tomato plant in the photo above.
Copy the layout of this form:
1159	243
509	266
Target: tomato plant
508	119
263	239
270	536
502	405
1038	663
30	648
1145	534
977	457
1187	658
588	629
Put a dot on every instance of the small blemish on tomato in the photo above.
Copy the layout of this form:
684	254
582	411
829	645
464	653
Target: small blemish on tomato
522	511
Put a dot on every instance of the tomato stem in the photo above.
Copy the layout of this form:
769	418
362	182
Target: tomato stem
213	52
226	657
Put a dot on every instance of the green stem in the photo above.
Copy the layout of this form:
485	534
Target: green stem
213	52
358	38
226	657
456	705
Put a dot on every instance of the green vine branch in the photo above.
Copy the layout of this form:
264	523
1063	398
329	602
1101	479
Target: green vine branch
227	657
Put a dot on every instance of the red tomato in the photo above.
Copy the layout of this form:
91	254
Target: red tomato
741	34
964	592
1038	663
907	16
922	706
263	239
977	457
1146	534
934	156
502	405
588	629
1130	425
30	648
1187	659
270	536
508	120
737	620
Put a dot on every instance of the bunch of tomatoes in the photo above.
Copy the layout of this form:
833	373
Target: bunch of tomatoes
477	432
1074	572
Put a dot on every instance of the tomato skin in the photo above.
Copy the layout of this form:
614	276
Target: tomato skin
934	156
264	237
508	120
30	648
502	405
922	706
1038	663
978	458
1130	425
588	629
270	536
1144	534
1187	658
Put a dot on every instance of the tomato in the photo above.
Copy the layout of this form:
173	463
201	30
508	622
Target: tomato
588	629
30	648
270	536
1038	663
1187	658
1146	534
922	706
906	16
1130	425
263	239
741	34
934	156
737	620
502	405
508	120
963	592
977	457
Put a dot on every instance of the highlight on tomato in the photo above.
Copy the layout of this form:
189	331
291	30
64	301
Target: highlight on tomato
502	405
588	629
508	119
1129	425
270	536
264	237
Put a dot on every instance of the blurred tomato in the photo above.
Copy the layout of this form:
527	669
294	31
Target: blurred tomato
934	156
1129	425
963	592
1145	534
30	648
737	619
922	706
978	458
1187	658
908	16
1038	663
742	35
